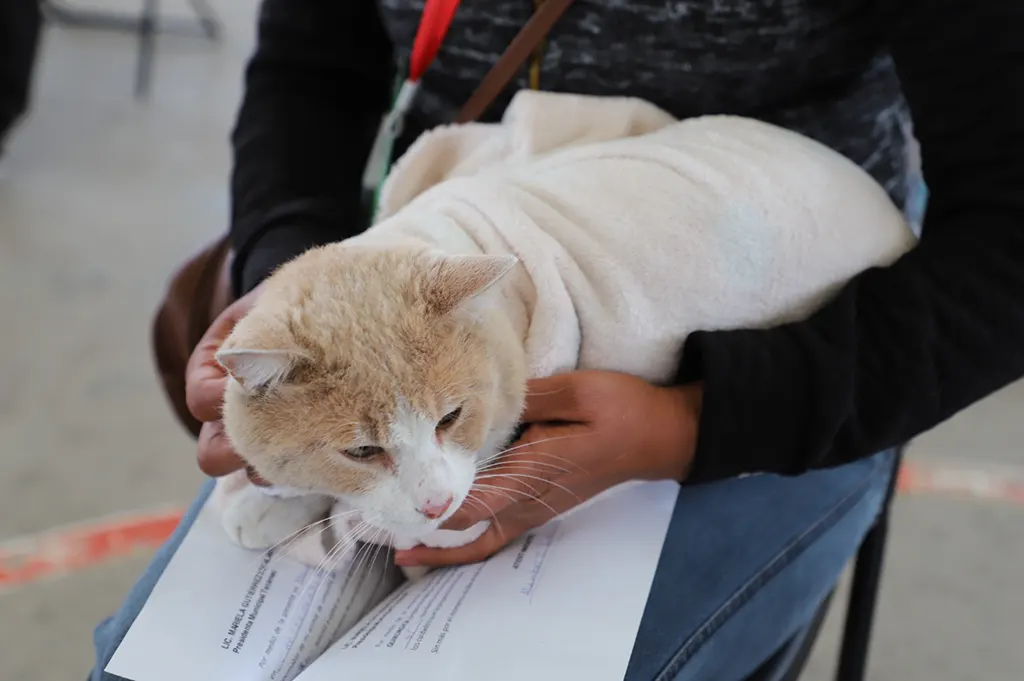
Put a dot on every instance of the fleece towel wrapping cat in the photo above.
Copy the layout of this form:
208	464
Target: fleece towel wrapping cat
375	376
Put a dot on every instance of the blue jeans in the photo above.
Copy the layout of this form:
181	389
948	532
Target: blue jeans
745	565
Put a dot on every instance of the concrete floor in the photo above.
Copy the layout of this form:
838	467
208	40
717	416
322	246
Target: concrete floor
100	197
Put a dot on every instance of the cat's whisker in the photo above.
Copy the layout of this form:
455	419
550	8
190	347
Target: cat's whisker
494	516
330	560
314	574
553	438
525	464
363	551
529	497
509	461
379	540
343	544
368	540
534	477
504	491
294	536
555	457
546	392
483	463
340	544
325	524
297	535
360	535
536	492
578	467
469	499
325	527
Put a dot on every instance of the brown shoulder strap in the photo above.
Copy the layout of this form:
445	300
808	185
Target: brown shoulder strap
521	47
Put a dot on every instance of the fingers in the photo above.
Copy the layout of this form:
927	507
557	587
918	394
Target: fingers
205	378
214	452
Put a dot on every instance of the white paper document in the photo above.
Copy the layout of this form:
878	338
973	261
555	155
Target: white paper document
563	601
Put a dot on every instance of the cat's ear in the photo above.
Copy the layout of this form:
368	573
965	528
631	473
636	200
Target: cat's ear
455	279
257	369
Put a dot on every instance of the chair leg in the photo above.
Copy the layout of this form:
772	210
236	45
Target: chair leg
145	26
147	37
207	19
206	23
867	575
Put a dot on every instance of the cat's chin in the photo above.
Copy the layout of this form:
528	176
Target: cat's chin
404	536
441	539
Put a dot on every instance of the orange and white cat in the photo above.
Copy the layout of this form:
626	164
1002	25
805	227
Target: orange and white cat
380	404
374	376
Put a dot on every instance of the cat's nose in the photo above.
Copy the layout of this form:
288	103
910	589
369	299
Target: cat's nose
435	510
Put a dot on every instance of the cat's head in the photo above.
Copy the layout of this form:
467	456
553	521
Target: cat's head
378	375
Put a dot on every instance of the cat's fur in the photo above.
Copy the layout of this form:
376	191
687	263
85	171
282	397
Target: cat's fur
579	252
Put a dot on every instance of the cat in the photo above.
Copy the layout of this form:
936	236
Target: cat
373	377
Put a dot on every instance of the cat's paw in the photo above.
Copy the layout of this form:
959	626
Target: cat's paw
416	572
449	539
256	520
439	539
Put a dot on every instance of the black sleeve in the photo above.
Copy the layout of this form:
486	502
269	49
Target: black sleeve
315	90
905	347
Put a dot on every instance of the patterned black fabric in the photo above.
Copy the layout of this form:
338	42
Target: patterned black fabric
812	66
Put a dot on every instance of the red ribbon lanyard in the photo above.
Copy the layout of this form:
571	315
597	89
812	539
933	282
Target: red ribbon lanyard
434	22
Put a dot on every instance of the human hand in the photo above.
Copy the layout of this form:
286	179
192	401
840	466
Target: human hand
588	431
205	380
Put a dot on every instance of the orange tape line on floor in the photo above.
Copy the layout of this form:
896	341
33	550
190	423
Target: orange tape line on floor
62	551
984	485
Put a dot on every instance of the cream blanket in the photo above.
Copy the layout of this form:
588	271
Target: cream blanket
634	229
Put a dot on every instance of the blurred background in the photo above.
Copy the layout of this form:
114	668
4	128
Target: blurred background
104	193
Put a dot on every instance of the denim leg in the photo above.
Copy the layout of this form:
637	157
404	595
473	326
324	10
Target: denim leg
109	634
745	566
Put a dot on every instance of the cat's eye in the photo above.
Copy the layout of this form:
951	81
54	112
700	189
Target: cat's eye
363	452
448	419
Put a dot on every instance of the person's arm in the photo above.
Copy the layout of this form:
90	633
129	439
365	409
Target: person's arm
315	90
902	348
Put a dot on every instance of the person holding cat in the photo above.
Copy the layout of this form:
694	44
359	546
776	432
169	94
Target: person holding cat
782	436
